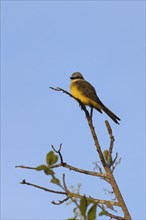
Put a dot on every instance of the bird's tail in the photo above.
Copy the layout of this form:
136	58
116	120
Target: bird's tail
111	114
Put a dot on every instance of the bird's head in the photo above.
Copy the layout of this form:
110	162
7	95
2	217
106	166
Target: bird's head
76	75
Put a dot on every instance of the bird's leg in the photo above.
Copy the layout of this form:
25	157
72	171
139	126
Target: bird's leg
91	113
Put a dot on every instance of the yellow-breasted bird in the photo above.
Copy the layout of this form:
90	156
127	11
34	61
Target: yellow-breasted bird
85	92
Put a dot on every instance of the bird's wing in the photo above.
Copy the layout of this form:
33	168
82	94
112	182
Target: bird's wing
88	90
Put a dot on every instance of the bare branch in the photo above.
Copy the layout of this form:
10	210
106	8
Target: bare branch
97	166
106	202
112	180
64	184
64	91
112	139
78	100
109	214
42	188
115	159
60	201
116	162
59	152
25	167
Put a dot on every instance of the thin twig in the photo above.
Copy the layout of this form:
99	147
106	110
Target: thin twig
112	139
83	107
109	214
116	162
60	201
42	188
59	152
25	167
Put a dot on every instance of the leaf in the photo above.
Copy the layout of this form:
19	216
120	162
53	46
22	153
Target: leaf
55	181
89	201
92	212
49	171
83	205
46	170
106	153
41	167
51	158
102	213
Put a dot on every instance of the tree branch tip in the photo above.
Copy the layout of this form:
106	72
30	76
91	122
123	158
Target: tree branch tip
53	147
57	88
60	201
57	151
60	147
108	127
64	183
23	182
19	166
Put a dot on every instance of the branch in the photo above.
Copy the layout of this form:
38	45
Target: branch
112	180
101	201
64	164
113	183
42	188
109	214
60	201
69	194
25	167
116	162
59	152
91	173
78	100
112	139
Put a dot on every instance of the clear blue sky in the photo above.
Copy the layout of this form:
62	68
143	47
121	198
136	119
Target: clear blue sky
42	44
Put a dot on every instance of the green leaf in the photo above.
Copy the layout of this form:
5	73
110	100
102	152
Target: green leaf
106	153
89	201
45	169
41	167
92	212
102	213
55	181
83	205
51	158
49	171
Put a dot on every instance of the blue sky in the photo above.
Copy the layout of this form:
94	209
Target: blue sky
42	44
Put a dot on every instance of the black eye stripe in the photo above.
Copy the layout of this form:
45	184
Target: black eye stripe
78	77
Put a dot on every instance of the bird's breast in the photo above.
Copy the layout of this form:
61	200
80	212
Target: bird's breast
77	93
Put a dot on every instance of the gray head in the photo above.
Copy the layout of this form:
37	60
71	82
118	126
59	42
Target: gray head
76	75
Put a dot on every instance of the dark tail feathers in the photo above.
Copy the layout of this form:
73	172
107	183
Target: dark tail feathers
111	114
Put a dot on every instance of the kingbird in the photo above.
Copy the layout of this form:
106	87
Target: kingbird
85	92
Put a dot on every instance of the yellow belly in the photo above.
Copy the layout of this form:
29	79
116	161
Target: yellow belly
79	95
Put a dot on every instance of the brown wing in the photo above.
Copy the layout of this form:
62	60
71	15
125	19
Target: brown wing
88	90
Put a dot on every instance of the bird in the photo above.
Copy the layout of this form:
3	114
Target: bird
86	93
